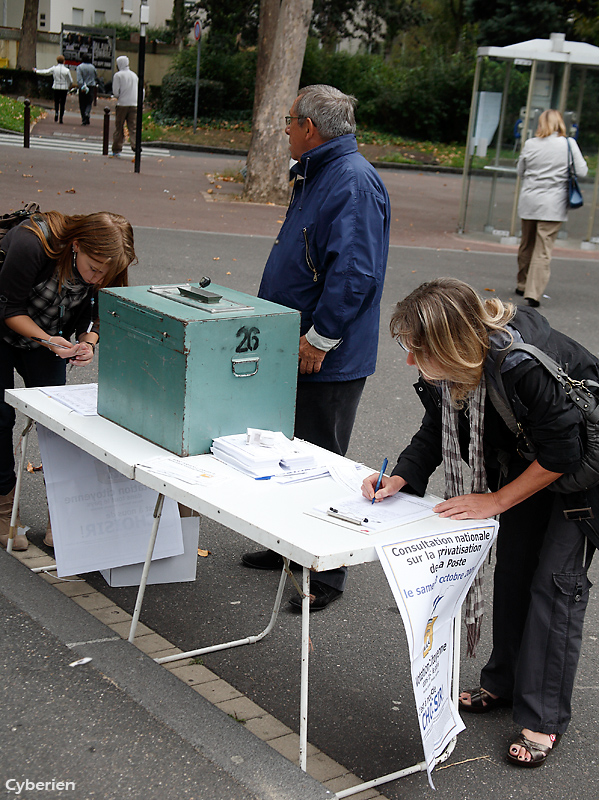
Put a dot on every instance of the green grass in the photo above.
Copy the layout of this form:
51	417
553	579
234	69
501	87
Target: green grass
11	114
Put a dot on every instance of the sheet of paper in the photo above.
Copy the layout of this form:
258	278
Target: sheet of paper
188	470
348	474
82	398
100	519
368	518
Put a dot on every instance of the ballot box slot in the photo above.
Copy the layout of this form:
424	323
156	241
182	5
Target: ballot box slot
199	298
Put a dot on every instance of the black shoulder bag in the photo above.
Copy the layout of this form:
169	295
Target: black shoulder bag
579	392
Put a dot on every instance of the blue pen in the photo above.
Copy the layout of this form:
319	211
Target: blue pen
380	478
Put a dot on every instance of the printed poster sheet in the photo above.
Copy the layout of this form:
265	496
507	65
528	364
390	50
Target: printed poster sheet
100	519
430	577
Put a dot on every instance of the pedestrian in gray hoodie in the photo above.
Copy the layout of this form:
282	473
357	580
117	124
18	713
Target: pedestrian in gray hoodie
124	88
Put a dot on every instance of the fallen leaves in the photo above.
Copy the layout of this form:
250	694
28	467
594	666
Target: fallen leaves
203	553
31	468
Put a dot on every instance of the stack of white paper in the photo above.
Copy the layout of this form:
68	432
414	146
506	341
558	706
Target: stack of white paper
270	455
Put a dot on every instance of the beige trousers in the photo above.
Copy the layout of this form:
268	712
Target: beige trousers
534	256
124	114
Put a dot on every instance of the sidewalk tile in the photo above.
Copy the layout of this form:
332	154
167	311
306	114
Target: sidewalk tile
267	727
72	586
217	691
288	746
192	674
152	644
242	708
92	601
323	768
122	628
110	614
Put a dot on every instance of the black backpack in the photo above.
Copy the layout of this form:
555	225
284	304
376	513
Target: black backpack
11	220
14	218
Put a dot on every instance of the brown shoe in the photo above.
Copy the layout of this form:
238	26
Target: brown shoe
20	541
48	540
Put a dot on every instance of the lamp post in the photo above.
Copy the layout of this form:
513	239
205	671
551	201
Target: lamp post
144	18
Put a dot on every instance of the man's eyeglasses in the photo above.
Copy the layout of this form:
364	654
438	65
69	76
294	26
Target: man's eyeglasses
402	345
288	119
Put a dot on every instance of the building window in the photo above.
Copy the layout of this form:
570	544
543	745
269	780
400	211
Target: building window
99	17
77	16
42	20
126	6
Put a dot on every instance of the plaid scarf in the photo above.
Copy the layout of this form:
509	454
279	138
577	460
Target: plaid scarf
454	486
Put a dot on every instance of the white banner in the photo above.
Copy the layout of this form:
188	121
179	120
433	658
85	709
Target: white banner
429	577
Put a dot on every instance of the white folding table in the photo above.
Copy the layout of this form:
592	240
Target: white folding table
268	513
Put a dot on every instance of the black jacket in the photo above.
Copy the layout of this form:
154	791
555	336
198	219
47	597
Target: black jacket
551	420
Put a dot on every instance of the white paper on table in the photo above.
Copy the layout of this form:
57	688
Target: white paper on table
100	519
348	473
196	470
82	398
389	513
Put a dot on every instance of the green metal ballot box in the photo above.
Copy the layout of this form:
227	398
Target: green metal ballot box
181	365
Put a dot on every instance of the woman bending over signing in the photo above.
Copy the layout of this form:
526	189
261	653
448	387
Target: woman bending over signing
541	587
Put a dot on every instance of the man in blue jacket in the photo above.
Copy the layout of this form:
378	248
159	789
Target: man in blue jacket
329	262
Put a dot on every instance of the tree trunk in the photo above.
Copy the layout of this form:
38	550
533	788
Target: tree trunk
267	178
27	47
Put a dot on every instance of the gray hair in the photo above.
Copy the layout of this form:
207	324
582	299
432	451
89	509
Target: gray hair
331	111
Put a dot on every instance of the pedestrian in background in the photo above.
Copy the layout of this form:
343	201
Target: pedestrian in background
124	88
86	81
62	82
543	203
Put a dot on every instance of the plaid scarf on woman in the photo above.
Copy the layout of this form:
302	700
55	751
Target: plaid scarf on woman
454	485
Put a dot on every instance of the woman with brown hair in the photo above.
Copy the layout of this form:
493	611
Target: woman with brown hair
61	83
541	589
51	267
543	203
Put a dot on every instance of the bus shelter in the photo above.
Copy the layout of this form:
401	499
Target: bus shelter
551	62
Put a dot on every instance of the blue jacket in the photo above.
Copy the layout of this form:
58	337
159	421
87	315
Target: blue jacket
330	257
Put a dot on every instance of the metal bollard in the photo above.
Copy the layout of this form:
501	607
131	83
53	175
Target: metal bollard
26	123
106	130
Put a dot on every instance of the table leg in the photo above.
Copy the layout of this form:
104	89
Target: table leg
147	564
238	642
304	670
17	496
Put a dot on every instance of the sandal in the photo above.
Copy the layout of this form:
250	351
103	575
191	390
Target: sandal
538	752
481	702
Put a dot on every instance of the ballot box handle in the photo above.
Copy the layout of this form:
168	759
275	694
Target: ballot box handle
236	362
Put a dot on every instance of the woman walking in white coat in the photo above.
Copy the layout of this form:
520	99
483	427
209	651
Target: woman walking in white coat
543	204
61	83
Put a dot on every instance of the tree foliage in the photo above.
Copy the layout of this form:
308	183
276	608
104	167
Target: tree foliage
504	22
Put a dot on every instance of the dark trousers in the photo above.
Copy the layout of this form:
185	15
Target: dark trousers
540	598
60	98
38	367
85	103
325	413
